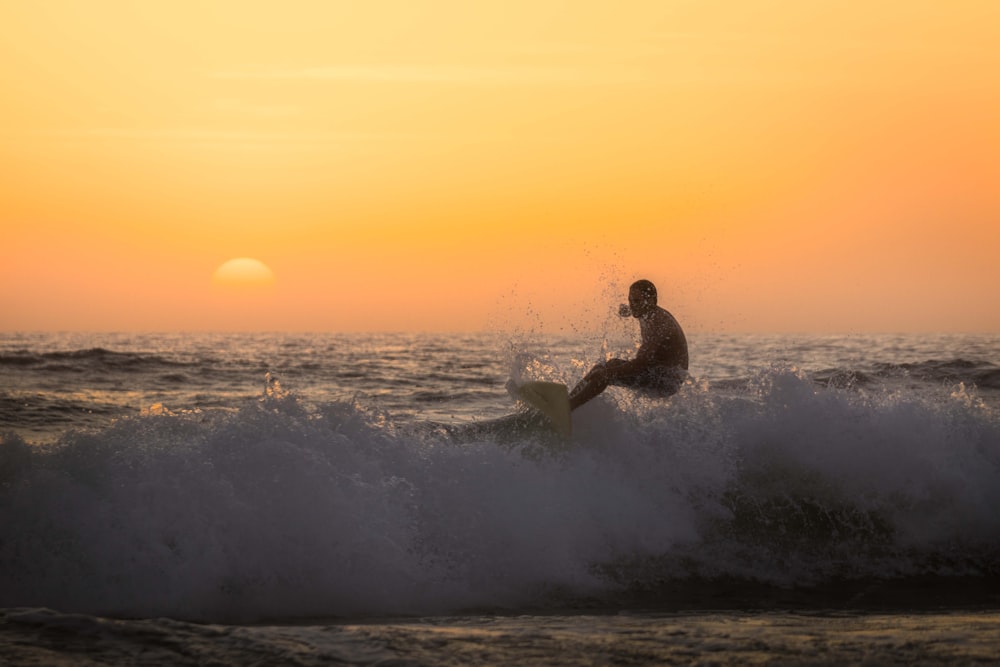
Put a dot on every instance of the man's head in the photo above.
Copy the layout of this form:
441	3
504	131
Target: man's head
641	297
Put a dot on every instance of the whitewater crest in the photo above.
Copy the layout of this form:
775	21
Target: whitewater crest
277	509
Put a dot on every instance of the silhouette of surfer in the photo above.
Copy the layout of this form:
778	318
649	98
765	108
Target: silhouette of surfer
660	366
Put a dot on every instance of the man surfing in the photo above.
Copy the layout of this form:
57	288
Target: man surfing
660	366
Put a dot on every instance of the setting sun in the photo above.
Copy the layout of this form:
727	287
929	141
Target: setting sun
243	272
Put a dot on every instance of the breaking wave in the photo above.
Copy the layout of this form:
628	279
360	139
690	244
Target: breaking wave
280	509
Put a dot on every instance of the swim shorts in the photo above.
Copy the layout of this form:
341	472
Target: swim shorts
660	381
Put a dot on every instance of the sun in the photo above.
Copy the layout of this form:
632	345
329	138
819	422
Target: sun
243	272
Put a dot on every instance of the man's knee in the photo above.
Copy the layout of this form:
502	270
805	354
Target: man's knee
598	373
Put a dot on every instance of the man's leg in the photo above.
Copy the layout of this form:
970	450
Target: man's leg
593	383
589	387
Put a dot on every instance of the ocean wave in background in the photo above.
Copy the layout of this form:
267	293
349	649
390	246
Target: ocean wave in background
283	507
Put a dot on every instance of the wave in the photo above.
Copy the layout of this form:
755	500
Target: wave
80	361
281	510
977	373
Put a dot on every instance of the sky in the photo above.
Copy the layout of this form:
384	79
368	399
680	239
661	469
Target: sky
773	166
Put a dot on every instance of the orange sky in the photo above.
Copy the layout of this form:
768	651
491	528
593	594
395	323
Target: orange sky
772	166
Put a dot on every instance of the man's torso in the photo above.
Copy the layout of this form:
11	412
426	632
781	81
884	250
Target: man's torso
663	340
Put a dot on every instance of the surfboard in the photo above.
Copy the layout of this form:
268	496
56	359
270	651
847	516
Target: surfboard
548	417
551	399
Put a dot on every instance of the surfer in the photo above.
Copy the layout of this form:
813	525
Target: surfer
660	366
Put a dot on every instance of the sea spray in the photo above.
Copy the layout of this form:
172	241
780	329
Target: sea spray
282	509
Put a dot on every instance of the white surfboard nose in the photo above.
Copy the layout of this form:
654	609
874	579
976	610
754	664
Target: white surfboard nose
552	400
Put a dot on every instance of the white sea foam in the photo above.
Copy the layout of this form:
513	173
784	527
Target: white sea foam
279	510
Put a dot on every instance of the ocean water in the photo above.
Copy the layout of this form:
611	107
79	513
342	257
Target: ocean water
302	499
